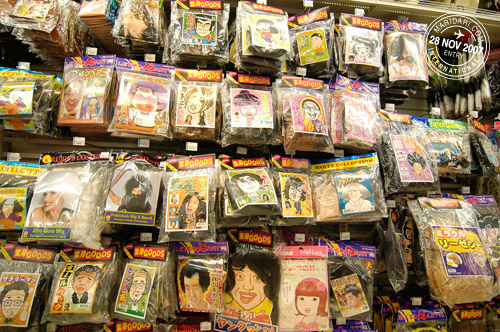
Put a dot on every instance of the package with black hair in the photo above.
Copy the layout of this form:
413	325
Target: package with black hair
408	165
406	53
143	98
397	271
134	189
24	283
348	188
410	320
292	180
201	270
355	105
484	151
312	36
189	199
305	108
68	200
304	276
80	288
250	118
144	292
199	31
196	105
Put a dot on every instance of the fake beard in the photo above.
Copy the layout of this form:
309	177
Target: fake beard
134	203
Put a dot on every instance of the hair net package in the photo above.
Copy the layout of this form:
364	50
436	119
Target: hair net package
196	105
406	53
85	97
24	280
355	105
143	98
304	276
455	256
305	108
249	116
201	270
80	288
67	200
348	188
189	199
421	320
134	191
312	36
145	291
199	31
408	165
292	180
467	317
485	152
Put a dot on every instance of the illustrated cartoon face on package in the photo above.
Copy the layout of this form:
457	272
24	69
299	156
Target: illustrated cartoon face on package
363	46
16	99
13	207
33	10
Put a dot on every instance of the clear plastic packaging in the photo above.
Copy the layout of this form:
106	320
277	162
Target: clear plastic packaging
35	15
483	150
140	21
397	272
421	320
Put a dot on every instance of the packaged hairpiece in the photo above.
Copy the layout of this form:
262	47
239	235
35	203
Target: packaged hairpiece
68	200
140	21
305	108
348	188
408	165
80	288
406	53
189	199
483	149
249	117
200	32
143	98
24	282
397	271
145	291
196	105
312	36
304	280
35	15
134	191
201	269
355	105
292	179
421	320
455	256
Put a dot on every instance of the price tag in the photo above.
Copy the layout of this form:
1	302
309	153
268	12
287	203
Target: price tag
13	156
143	143
91	51
416	301
206	326
390	107
436	111
391	203
262	2
80	141
465	190
241	150
308	3
338	153
191	146
163	165
300	237
23	65
341	321
148	57
345	236
105	155
146	237
301	71
474	114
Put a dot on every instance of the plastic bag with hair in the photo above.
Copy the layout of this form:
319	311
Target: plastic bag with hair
484	151
139	20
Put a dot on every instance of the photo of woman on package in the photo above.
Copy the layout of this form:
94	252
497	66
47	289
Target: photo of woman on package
405	57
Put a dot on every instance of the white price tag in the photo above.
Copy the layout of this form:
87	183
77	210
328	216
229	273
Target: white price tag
23	65
338	153
465	190
143	143
340	321
345	236
148	57
206	326
390	107
416	301
105	155
13	156
146	237
191	146
163	165
300	237
80	141
474	114
262	2
241	150
359	12
308	3
391	203
436	111
301	71
91	51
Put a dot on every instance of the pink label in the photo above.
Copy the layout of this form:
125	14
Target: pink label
41	255
150	253
303	82
251	162
258	238
205	4
294	163
313	17
197	162
302	251
264	8
92	255
259	80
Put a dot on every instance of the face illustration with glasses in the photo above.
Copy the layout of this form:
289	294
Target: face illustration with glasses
12	298
140	285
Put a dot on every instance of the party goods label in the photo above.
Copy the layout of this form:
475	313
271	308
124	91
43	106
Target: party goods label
76	287
308	115
355	192
312	46
12	207
296	196
251	109
17	293
16	98
350	296
251	186
411	161
134	291
196	106
199	29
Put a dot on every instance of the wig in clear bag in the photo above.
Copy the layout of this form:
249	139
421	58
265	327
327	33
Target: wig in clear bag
348	188
68	200
410	320
35	15
189	199
312	36
455	257
139	21
483	150
406	54
80	288
355	105
305	108
249	117
199	31
24	280
397	272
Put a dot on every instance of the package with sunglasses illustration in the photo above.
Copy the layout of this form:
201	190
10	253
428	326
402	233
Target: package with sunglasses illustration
305	109
348	188
409	167
24	282
406	54
356	106
421	320
196	104
68	200
189	199
80	288
201	269
249	118
145	291
199	29
292	179
312	37
143	98
85	99
484	151
133	191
